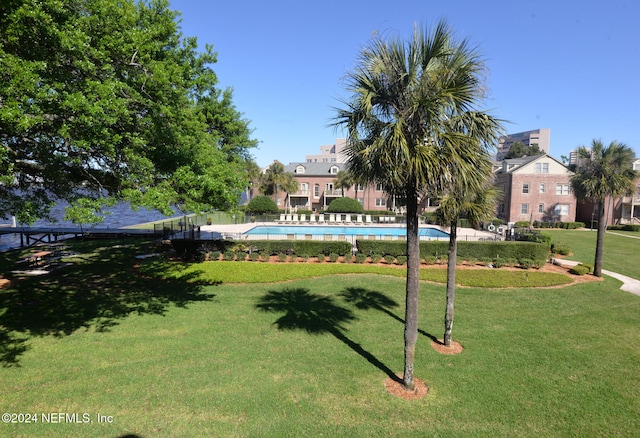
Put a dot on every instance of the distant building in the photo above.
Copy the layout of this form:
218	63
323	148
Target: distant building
535	188
541	137
331	153
316	188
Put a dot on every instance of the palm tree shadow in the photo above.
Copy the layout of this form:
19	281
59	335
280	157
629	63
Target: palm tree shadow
315	314
366	299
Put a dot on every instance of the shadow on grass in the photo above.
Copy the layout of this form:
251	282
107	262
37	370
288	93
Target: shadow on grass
366	299
98	290
315	314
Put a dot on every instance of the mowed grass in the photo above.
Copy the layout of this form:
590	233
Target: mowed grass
219	272
621	252
309	357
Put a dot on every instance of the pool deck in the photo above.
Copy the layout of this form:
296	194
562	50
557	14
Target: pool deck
463	233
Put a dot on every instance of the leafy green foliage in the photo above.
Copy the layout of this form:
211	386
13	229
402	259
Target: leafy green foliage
107	98
345	205
261	205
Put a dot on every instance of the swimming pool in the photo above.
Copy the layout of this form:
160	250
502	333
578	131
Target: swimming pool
358	231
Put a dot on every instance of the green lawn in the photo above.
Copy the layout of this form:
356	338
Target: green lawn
308	357
621	249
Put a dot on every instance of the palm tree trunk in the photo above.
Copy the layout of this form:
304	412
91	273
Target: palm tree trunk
413	284
451	283
602	226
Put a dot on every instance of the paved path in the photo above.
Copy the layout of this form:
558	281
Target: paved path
628	284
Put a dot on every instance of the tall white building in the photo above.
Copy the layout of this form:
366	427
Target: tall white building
330	153
541	137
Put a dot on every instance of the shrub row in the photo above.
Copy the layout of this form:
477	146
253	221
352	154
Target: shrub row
551	224
627	227
537	252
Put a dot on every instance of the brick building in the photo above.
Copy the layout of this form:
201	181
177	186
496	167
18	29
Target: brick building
535	189
316	188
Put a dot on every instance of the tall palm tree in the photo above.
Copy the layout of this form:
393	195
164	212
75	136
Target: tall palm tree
289	184
476	205
403	96
253	175
275	179
343	181
601	172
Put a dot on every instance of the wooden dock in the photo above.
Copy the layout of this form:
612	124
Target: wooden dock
34	235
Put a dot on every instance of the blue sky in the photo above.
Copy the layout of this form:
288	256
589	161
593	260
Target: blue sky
571	66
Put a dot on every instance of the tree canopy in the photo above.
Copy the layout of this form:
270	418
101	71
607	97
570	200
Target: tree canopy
107	98
519	150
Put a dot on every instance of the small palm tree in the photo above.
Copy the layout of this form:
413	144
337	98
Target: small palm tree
602	172
343	181
275	179
403	98
476	205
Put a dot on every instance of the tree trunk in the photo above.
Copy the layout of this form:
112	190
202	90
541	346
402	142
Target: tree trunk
451	283
602	226
413	284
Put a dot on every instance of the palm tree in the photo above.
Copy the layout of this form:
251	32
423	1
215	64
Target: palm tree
253	175
602	172
289	184
403	96
476	205
275	179
343	181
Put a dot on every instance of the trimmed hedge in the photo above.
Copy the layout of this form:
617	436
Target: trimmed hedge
627	227
536	252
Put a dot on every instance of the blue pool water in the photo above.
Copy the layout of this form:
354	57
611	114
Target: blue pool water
284	230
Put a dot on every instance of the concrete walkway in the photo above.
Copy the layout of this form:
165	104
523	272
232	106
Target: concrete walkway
629	284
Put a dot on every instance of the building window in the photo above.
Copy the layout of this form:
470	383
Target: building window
381	202
325	160
316	191
562	189
524	209
334	170
300	169
542	167
361	188
304	188
379	187
540	208
329	187
542	187
525	188
562	210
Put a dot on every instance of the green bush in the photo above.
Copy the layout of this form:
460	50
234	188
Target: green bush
229	255
401	260
214	255
333	257
361	258
627	227
389	258
430	260
261	205
321	258
254	256
241	256
580	269
375	258
561	248
282	257
345	205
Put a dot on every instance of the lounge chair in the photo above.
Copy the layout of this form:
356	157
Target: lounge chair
303	218
295	219
287	219
367	219
347	219
359	219
332	218
321	218
281	218
312	218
